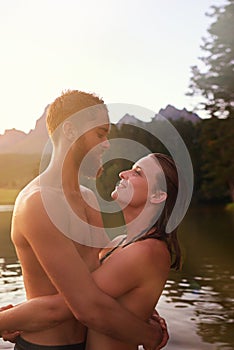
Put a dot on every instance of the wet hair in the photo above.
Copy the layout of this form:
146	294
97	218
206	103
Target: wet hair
168	178
70	102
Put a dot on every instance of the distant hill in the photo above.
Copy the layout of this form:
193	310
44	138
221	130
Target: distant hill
128	119
18	142
10	138
170	112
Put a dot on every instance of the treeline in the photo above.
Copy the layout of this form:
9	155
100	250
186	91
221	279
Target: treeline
18	169
209	142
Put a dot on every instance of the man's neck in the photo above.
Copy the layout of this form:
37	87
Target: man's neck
62	172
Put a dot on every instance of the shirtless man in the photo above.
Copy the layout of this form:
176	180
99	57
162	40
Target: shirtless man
50	211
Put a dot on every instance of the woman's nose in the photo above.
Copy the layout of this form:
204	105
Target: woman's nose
123	175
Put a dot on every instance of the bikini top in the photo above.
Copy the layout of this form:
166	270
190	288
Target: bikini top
134	239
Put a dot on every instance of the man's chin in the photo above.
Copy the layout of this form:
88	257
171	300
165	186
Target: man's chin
91	168
99	172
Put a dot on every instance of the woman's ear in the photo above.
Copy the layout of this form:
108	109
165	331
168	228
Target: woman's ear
69	131
158	197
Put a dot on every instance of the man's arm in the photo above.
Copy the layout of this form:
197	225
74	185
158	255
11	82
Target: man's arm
69	274
34	314
45	312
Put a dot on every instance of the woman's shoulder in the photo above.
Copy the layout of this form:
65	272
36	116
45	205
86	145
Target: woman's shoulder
148	251
148	245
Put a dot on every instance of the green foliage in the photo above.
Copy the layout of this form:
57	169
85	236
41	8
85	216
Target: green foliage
217	145
106	183
8	196
230	207
190	134
215	80
17	170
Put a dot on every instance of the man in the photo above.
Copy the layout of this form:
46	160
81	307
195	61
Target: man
57	234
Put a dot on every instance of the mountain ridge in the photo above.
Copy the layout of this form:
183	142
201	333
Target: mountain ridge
18	142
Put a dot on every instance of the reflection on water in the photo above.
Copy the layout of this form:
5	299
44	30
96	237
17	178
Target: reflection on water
6	208
11	283
197	302
11	288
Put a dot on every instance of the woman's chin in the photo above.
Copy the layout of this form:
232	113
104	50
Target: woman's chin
114	195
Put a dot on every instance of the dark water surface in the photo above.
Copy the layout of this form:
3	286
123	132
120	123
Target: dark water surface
197	302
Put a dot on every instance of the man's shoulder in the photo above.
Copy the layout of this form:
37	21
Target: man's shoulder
86	191
89	196
30	191
28	197
27	201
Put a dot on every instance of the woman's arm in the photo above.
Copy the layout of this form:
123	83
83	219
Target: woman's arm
35	314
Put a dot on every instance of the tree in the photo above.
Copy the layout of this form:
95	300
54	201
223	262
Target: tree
215	81
217	144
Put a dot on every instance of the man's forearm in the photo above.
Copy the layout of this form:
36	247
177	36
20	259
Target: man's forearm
132	330
35	314
115	321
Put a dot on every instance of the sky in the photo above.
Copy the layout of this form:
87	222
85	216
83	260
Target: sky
136	52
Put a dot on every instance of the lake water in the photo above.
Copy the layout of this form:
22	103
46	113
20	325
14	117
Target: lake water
197	302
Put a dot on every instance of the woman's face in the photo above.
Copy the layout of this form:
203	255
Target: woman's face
138	184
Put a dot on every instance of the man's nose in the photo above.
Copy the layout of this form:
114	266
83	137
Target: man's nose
106	144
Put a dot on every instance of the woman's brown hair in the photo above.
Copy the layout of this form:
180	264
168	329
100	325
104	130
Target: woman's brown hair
169	177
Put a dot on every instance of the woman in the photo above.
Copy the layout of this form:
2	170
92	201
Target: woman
135	271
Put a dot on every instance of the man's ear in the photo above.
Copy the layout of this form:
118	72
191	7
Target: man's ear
158	197
69	131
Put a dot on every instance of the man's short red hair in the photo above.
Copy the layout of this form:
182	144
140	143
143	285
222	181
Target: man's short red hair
70	102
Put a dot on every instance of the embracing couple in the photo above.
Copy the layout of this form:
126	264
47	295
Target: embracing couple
80	296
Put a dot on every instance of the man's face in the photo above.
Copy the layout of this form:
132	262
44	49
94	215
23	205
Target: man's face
92	144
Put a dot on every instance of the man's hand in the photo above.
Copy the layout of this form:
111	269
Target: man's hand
9	335
2	308
165	336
